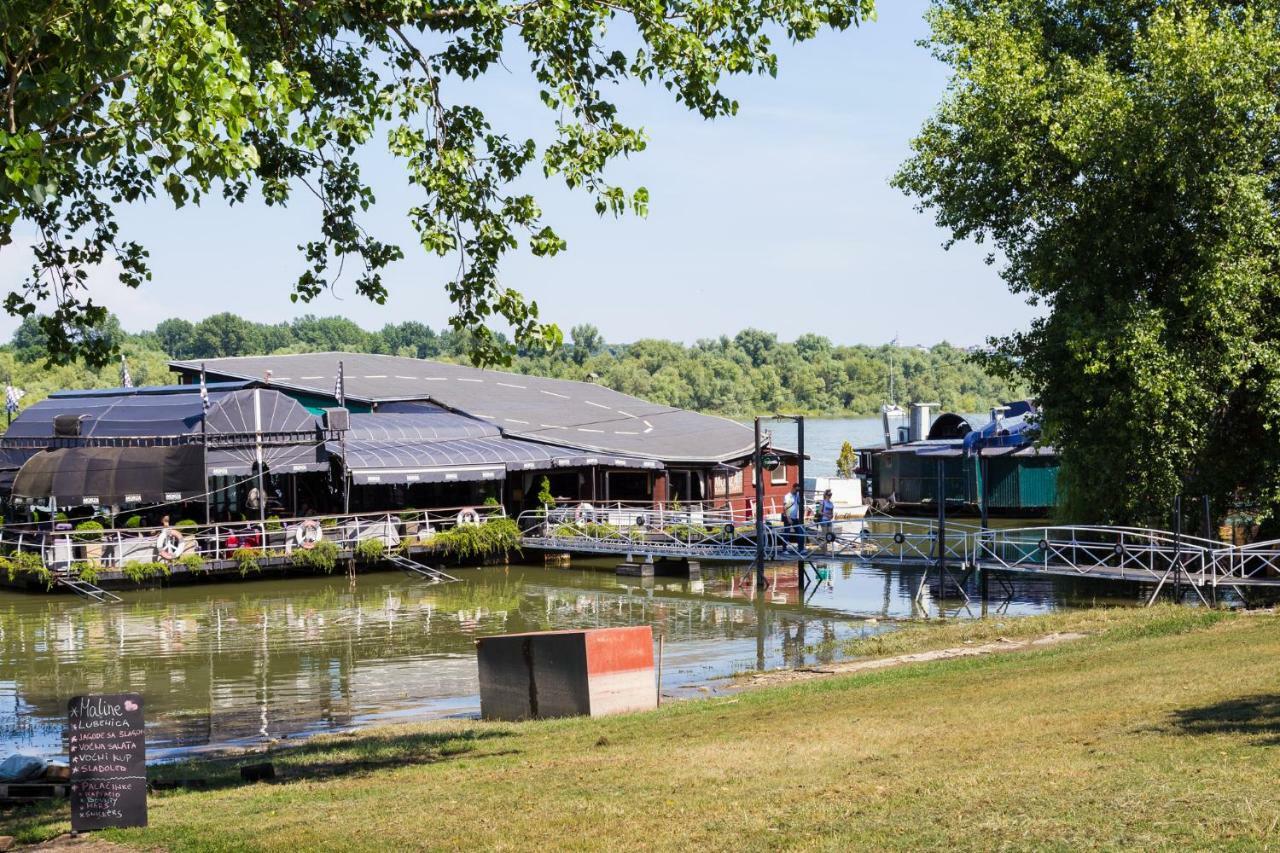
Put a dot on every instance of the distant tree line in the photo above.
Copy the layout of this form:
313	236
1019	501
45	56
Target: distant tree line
751	372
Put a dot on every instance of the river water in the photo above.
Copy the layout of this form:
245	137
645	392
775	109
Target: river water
249	662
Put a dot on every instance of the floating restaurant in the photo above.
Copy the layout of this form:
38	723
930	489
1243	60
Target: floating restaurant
246	460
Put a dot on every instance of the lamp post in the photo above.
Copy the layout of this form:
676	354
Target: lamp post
757	467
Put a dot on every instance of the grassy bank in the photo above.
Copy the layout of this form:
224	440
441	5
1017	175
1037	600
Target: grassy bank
1159	730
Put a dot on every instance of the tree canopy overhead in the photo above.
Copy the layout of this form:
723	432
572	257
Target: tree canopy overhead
1122	157
105	102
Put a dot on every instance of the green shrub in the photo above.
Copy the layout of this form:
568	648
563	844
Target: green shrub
328	523
192	562
687	532
491	501
323	557
186	524
26	563
138	571
370	550
87	572
466	541
545	497
60	516
133	522
88	531
273	524
248	558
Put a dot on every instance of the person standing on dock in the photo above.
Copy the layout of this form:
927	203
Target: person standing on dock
825	514
792	514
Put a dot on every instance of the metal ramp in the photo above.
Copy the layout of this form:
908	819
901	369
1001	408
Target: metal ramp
84	589
430	573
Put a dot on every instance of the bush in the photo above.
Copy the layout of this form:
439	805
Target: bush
133	522
370	550
545	497
273	524
87	572
26	563
248	559
323	557
138	571
328	523
88	531
467	541
185	524
191	562
687	532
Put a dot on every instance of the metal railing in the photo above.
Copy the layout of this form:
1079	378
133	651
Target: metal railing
64	551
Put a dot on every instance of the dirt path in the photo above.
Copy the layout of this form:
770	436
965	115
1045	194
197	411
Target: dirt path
791	676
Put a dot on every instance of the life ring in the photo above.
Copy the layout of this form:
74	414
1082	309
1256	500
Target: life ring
169	544
583	512
308	534
898	538
468	516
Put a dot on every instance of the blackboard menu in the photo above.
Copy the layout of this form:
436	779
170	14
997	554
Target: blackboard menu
108	761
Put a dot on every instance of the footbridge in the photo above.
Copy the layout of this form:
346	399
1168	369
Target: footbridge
1105	553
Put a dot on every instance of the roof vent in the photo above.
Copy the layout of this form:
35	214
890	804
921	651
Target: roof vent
67	426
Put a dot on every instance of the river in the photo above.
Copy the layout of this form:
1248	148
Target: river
243	663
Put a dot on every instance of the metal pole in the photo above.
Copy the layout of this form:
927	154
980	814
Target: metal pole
942	531
800	572
984	491
204	461
1177	548
758	468
1207	521
257	437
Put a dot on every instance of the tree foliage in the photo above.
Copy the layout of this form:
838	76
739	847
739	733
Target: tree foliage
1122	156
812	375
107	102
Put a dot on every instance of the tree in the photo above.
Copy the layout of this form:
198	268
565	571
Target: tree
116	101
847	463
225	335
1122	159
587	341
174	337
756	344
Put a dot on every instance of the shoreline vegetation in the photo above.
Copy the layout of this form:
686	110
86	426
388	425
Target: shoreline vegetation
1156	728
747	374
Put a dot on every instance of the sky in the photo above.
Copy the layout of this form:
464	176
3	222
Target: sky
780	218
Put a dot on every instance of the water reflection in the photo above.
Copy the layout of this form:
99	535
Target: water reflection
257	661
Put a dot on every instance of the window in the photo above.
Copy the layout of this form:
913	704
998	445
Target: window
778	475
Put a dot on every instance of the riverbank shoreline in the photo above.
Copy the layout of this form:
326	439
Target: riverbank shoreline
1044	742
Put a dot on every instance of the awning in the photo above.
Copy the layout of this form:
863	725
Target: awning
252	421
461	460
79	476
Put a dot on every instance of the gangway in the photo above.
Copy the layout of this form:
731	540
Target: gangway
1155	557
432	574
85	589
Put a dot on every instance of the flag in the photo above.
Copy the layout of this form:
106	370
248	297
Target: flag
126	381
339	391
204	393
11	397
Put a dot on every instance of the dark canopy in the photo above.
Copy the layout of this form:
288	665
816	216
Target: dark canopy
112	475
440	446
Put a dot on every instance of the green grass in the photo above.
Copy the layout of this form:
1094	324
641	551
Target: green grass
1160	730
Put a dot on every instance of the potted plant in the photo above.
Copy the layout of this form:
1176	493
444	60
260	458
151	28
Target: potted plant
89	535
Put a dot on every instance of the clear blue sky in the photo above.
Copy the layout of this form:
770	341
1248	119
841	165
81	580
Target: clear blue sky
780	218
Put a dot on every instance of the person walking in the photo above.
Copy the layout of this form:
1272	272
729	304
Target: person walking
826	515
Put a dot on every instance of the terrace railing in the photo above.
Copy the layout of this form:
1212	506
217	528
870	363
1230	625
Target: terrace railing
62	551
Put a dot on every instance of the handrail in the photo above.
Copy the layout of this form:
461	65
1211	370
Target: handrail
112	549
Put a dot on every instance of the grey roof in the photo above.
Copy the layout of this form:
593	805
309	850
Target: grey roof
557	411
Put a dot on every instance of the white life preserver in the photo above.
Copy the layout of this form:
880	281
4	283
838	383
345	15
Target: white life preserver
468	516
169	544
308	534
583	512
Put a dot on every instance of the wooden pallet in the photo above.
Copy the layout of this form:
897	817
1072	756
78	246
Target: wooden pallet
27	792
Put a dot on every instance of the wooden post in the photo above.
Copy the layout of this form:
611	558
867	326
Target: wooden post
759	475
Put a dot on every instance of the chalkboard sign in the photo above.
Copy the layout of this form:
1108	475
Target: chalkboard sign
108	761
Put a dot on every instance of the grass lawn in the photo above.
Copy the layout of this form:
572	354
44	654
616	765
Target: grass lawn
1160	730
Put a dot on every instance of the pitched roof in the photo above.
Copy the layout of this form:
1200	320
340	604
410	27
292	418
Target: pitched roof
557	411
